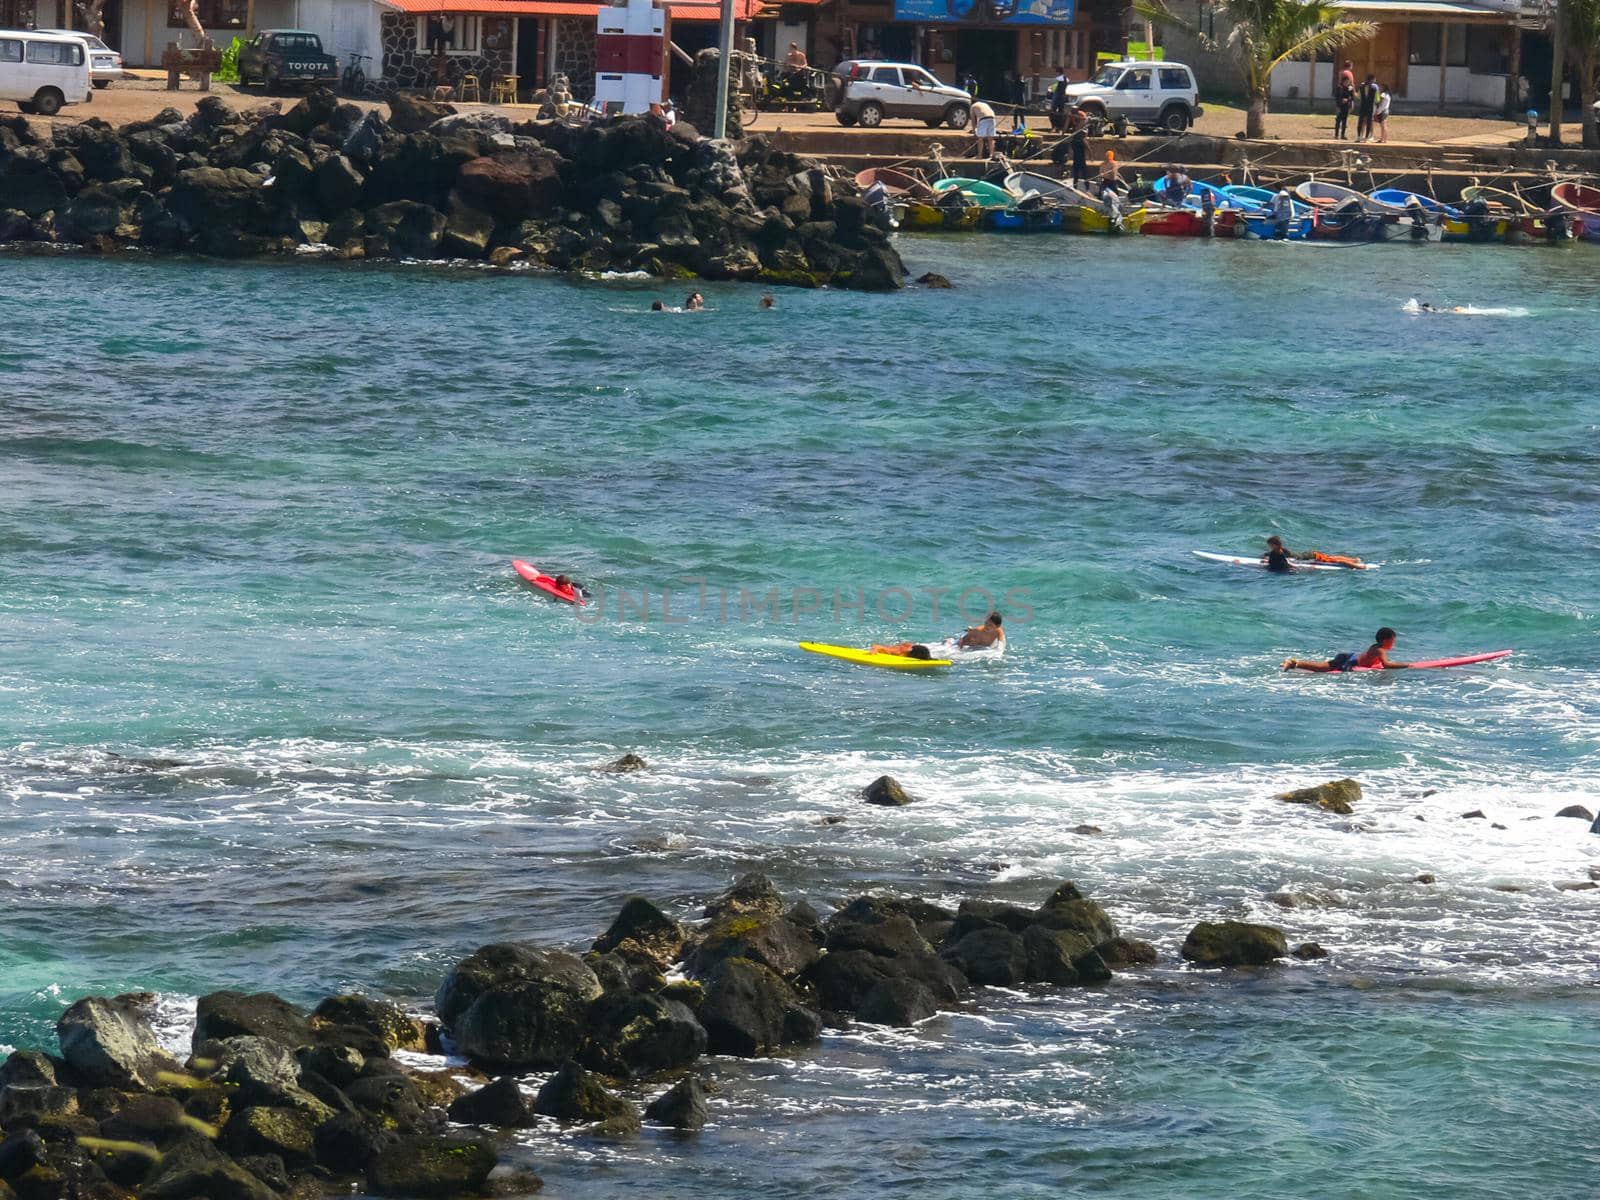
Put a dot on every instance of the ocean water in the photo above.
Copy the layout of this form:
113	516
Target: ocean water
276	714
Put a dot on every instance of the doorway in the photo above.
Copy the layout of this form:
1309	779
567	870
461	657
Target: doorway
530	61
988	55
1389	58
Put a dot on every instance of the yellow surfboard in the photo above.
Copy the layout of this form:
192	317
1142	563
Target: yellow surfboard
894	662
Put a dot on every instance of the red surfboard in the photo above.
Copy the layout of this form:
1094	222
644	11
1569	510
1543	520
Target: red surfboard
547	585
1464	661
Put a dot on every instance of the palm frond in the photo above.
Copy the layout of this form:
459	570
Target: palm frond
1329	38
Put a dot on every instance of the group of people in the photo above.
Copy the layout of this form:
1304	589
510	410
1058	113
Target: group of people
1371	102
697	303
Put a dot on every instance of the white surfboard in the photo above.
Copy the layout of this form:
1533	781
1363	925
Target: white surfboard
1237	561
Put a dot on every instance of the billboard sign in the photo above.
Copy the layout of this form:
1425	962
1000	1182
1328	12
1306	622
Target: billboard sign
987	12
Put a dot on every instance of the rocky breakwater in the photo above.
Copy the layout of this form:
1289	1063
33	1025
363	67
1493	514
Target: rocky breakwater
426	183
274	1101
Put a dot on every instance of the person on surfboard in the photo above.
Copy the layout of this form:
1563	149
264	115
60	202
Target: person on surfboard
981	636
1278	557
903	650
567	584
1375	655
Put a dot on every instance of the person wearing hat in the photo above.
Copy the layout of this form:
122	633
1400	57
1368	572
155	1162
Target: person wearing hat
1282	214
1110	173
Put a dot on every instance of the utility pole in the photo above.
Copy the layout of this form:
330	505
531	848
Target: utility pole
1558	52
719	123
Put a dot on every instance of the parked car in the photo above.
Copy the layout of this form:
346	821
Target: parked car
105	64
870	91
1145	95
277	58
43	71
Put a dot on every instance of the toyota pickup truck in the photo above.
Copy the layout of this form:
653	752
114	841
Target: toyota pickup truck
284	58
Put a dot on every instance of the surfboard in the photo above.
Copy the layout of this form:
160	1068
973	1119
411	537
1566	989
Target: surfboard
866	658
1465	660
1238	561
545	583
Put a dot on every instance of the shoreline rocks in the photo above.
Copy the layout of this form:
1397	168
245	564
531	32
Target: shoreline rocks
620	195
278	1101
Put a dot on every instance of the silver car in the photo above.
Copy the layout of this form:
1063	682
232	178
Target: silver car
105	64
870	91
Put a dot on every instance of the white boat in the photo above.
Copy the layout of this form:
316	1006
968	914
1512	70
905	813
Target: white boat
1331	195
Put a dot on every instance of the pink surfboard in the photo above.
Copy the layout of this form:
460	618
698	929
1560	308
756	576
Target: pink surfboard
1465	660
545	583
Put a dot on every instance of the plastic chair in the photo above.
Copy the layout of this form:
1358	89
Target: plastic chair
504	90
469	83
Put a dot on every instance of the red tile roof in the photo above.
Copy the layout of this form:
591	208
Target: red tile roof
695	10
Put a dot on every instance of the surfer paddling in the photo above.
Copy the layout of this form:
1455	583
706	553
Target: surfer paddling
1375	655
903	650
1281	559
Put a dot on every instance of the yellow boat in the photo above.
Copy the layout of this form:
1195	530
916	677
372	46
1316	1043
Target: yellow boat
922	215
894	662
1089	219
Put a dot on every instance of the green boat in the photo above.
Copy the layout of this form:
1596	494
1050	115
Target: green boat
985	195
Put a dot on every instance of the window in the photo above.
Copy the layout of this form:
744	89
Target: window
55	54
921	79
1425	45
1175	79
214	14
454	33
10	50
889	75
1135	81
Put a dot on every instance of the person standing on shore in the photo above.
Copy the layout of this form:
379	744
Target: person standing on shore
1058	103
1369	102
1344	99
983	128
1380	114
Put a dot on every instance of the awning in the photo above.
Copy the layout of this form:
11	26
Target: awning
696	10
1425	10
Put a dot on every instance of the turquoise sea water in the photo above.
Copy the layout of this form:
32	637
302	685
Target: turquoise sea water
274	712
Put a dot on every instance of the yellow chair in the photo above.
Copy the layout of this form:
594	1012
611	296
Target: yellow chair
469	83
504	90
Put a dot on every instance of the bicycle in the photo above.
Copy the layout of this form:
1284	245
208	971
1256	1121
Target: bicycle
354	80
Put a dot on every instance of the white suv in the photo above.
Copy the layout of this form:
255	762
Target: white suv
1148	95
869	91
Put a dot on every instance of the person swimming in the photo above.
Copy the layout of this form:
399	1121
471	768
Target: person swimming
1375	655
982	636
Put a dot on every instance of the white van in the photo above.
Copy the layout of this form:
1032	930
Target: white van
43	71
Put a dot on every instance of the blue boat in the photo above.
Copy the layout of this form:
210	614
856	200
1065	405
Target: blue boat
1261	198
1022	220
1263	227
1400	200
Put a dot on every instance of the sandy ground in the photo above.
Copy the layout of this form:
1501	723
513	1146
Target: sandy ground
137	99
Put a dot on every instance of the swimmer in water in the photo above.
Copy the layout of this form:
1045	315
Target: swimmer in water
1375	655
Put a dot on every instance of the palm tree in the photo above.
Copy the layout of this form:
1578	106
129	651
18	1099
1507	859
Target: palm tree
1583	51
1266	34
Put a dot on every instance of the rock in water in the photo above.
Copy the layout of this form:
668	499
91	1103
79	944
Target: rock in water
628	762
1334	797
1233	944
899	1002
777	942
430	1166
385	1024
634	1035
1577	811
1309	950
1120	953
682	1106
753	893
108	1042
500	1104
516	1007
237	1014
572	1094
885	790
748	1010
642	933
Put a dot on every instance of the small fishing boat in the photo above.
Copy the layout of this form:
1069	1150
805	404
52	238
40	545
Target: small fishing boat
1583	202
1095	219
979	191
1020	183
896	182
1045	218
1264	227
1190	222
1258	197
1399	200
920	214
1498	199
1331	195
